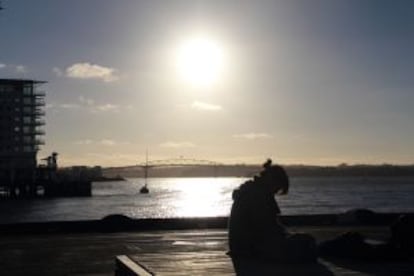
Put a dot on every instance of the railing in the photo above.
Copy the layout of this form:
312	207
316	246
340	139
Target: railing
33	148
39	141
34	112
40	93
33	142
39	122
34	102
39	132
34	123
39	112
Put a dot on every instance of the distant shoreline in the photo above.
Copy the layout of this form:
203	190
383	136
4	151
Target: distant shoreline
342	170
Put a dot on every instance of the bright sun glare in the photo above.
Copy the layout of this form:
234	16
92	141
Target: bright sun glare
200	61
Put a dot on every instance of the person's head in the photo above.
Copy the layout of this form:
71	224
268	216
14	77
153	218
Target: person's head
275	178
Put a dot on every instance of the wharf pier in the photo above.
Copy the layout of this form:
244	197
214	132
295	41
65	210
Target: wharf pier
178	247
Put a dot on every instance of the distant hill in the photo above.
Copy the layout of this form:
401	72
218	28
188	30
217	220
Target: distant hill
250	170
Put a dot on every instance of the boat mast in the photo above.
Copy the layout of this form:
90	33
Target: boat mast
146	168
144	189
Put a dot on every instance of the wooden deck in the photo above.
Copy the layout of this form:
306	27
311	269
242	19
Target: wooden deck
187	263
172	252
217	263
203	253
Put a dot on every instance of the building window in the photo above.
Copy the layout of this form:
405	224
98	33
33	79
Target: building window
27	90
6	88
26	129
28	149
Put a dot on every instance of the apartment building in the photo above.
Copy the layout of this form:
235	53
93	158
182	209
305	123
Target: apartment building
21	120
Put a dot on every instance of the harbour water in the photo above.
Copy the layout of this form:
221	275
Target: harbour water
202	197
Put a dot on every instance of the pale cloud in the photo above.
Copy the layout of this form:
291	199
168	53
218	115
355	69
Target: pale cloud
13	67
85	70
205	106
83	142
106	107
86	101
93	107
58	72
253	135
177	145
21	69
107	142
103	142
69	106
86	104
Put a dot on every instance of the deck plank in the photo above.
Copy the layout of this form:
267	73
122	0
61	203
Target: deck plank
217	263
187	263
94	253
203	253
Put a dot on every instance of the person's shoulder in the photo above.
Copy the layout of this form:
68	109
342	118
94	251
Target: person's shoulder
244	189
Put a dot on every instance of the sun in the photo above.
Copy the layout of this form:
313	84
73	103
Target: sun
200	61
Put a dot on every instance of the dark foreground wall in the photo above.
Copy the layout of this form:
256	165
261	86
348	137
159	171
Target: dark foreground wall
120	223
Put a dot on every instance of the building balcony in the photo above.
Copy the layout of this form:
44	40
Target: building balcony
30	149
35	123
34	93
33	142
31	132
34	112
39	122
39	141
39	112
34	102
39	132
40	93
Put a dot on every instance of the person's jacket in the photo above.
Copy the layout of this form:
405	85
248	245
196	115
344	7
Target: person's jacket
253	223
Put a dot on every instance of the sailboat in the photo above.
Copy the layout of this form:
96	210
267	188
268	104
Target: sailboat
144	189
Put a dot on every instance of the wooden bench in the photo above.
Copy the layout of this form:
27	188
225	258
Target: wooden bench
124	266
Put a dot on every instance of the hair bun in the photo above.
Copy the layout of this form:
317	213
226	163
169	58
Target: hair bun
267	164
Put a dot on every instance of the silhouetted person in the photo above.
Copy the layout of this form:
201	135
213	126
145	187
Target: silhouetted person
402	231
354	245
255	231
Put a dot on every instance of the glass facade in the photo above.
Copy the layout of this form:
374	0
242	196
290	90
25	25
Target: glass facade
21	119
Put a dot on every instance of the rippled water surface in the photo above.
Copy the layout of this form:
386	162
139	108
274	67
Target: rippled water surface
200	197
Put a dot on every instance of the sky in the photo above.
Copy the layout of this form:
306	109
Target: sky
318	82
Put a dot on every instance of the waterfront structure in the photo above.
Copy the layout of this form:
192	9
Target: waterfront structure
21	120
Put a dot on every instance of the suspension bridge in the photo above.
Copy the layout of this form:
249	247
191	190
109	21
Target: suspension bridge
180	162
174	162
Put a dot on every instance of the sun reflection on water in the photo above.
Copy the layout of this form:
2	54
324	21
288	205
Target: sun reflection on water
198	197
